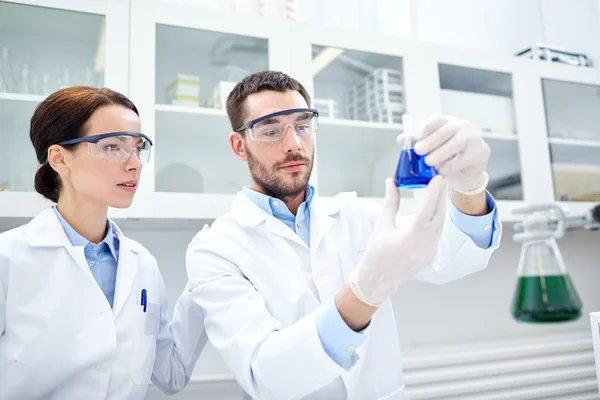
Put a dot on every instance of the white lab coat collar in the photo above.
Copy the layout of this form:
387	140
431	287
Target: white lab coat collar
248	214
45	230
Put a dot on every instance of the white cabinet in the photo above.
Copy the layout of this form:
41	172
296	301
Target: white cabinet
485	98
180	60
356	145
194	174
46	45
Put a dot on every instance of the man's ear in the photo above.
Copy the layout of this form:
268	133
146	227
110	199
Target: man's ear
236	141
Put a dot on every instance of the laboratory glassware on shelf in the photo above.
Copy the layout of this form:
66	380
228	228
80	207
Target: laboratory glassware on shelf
6	74
379	97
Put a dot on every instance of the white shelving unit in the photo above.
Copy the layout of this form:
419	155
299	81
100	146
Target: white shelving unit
41	46
522	105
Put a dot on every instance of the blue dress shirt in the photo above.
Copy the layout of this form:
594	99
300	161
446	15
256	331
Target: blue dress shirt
102	258
338	340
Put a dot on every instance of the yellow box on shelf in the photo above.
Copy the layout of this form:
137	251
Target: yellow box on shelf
184	91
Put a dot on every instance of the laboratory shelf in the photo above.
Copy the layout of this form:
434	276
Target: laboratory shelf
177	211
500	136
189	110
29	204
195	210
360	124
18	208
22	97
574	142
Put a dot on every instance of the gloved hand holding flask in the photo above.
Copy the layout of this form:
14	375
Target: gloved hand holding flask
395	253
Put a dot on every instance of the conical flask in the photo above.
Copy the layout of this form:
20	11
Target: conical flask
412	172
544	291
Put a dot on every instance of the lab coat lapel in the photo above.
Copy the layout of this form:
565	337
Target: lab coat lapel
78	256
248	214
321	219
45	230
127	269
278	228
324	250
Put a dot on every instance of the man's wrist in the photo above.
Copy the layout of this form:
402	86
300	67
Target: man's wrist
355	313
475	205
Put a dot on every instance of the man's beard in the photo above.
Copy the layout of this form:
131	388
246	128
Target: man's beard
274	186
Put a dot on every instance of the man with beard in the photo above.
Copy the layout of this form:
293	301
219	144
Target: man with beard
296	288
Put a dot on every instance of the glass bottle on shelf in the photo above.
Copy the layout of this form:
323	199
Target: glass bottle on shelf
35	84
45	89
65	80
89	77
263	8
24	86
234	5
6	76
3	80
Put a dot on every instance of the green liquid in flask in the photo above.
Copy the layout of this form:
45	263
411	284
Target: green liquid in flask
550	298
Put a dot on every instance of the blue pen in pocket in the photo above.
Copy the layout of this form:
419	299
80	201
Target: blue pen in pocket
144	299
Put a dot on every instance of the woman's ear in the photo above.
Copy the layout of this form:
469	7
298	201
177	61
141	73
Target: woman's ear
57	158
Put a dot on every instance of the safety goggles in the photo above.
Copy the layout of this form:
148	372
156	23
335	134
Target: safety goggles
272	127
115	147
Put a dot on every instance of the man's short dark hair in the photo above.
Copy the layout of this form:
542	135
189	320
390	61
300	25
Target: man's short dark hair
258	82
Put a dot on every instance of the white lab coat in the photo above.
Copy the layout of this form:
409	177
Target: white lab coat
59	338
259	286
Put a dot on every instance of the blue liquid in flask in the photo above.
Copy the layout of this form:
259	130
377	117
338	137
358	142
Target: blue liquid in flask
412	172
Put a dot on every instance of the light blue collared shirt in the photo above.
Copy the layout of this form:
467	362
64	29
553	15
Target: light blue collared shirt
299	223
340	341
102	258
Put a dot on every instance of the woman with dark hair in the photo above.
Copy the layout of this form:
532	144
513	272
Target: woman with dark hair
83	308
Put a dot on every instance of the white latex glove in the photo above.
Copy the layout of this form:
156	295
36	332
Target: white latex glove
457	151
394	254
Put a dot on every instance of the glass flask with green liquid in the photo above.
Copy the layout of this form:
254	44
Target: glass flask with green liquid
544	291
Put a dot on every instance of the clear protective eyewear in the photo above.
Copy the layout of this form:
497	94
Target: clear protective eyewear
272	127
116	147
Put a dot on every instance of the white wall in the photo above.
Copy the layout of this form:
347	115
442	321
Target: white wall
503	26
507	26
573	24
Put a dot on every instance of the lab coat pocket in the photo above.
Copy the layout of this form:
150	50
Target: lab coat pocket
144	345
152	318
